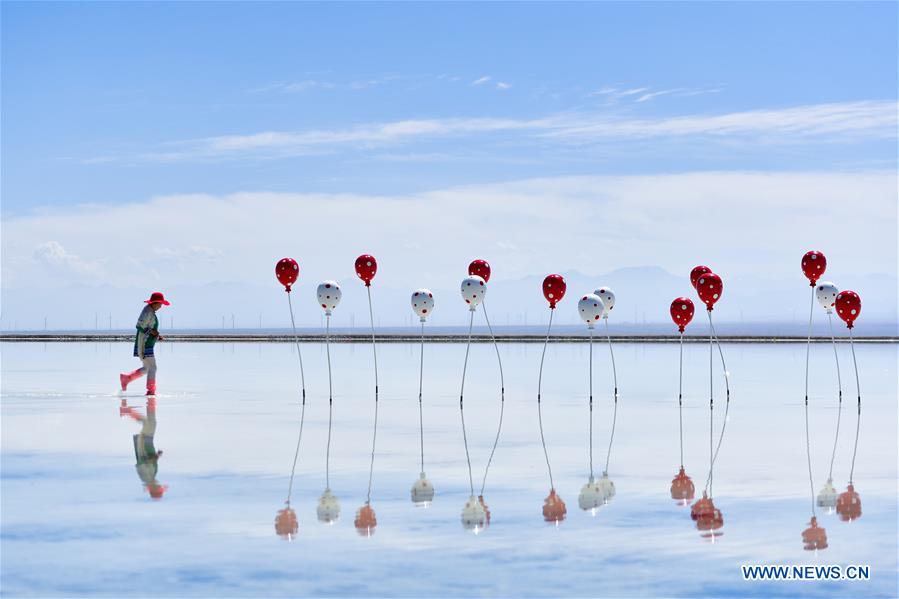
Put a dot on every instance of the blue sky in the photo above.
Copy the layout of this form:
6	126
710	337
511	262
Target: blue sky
165	113
87	83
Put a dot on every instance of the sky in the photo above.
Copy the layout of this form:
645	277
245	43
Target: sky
156	146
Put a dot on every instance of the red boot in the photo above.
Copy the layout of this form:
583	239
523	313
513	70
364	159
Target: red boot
124	379
151	387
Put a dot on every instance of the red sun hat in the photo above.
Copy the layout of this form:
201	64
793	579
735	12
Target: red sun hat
157	297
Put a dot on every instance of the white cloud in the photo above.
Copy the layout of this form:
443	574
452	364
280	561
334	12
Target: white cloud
503	85
862	120
481	80
529	226
62	263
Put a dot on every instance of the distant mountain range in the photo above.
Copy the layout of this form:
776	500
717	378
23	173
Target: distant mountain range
748	305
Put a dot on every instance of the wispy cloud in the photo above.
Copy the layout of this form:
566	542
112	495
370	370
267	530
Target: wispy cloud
503	85
306	85
838	121
481	80
644	94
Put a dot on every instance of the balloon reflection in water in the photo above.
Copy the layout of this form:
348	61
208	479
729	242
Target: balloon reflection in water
475	517
286	525
328	509
814	537
849	504
682	488
366	521
554	509
708	518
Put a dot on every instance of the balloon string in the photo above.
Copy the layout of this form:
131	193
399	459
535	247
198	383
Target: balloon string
461	408
330	402
591	404
502	401
615	409
858	421
836	436
374	436
421	370
296	340
539	409
680	403
499	360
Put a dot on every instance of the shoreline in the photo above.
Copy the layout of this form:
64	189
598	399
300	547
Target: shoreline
433	338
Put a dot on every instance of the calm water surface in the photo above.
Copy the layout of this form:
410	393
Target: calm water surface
77	519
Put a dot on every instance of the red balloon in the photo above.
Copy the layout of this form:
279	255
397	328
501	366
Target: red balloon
287	270
697	272
813	265
554	289
366	267
849	306
480	268
682	312
710	288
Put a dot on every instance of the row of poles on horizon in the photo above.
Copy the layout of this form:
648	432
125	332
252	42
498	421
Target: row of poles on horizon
592	308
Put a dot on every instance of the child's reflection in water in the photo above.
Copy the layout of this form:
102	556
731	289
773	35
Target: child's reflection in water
145	452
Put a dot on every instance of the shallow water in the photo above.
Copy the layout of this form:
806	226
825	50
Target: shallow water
76	519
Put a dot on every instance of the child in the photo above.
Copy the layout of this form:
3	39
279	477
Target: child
146	337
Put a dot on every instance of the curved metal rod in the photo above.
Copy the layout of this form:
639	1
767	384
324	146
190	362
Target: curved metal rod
539	410
502	401
421	371
808	443
296	453
836	436
680	402
727	387
330	402
461	402
374	437
591	404
858	421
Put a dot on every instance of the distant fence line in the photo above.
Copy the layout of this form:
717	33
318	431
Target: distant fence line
434	338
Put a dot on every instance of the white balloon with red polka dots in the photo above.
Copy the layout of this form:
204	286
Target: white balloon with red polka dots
473	290
608	299
329	295
590	308
826	294
422	303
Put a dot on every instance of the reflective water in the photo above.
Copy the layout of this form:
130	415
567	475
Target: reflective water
77	517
